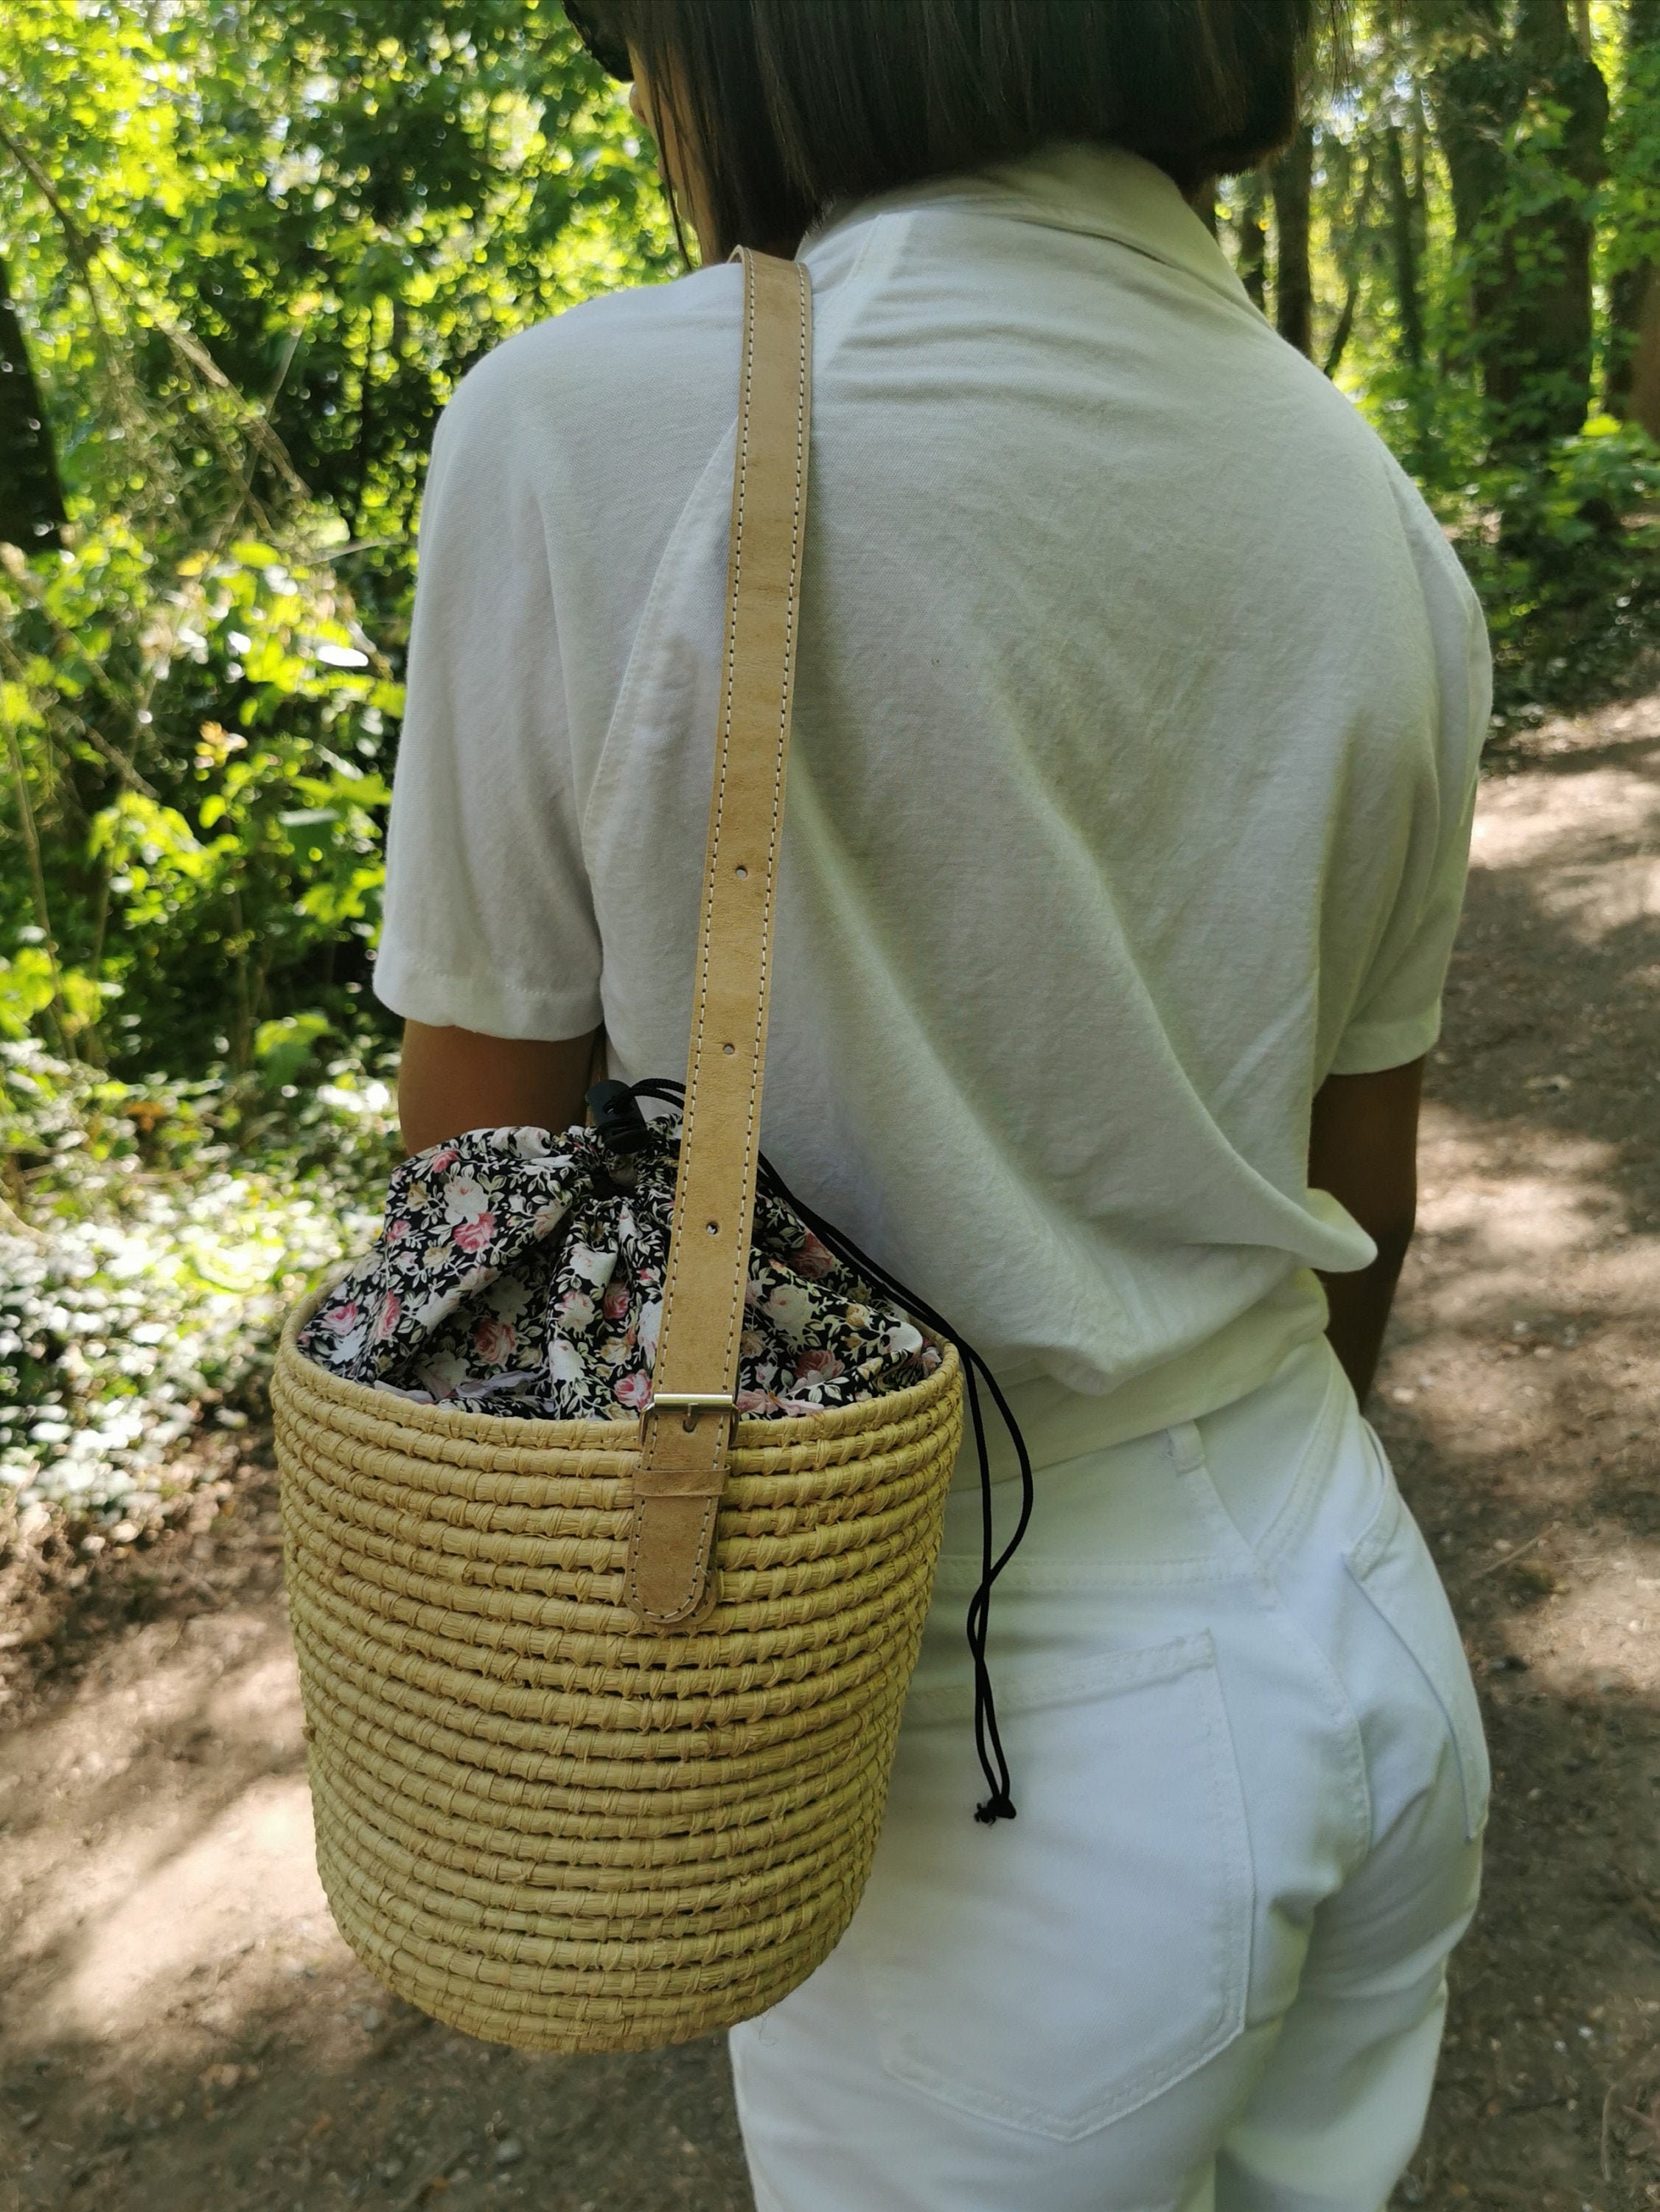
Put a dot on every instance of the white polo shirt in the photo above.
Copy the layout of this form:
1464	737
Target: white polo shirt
1138	711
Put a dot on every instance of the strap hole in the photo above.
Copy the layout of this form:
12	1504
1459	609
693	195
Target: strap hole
729	1049
713	1228
740	871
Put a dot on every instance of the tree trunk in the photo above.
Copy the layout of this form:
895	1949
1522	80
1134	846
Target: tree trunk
1642	394
1253	239
1404	246
1470	98
1351	249
1291	179
1635	289
31	494
1630	291
1552	254
1522	127
1342	330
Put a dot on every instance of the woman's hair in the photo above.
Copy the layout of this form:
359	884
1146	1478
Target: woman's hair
795	104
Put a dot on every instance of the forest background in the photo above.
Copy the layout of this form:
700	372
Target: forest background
246	256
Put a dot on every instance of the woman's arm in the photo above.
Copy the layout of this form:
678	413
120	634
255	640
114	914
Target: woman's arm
1363	1148
450	1080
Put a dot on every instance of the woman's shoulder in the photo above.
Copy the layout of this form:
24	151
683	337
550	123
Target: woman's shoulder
648	372
1329	440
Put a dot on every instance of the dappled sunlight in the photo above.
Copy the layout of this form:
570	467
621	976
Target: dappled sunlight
159	1876
1529	1317
1600	1634
1538	1314
183	2026
248	1882
1580	839
1555	1194
1508	1214
1516	1401
1524	824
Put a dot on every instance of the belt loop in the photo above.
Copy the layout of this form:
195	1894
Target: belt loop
1186	1447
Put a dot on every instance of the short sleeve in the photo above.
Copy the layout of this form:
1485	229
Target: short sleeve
1397	1017
489	924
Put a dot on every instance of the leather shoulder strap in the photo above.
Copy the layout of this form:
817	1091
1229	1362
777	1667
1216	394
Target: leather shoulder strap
685	1433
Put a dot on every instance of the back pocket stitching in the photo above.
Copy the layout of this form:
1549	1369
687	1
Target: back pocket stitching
1224	2018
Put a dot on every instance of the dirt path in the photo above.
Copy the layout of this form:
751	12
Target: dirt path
1520	1407
182	2031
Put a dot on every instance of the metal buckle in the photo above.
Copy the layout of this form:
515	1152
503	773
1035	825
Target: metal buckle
692	1402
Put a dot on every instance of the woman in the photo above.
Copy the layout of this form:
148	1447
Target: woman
1136	726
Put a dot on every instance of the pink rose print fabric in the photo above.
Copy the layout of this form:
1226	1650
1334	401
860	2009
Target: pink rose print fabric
522	1272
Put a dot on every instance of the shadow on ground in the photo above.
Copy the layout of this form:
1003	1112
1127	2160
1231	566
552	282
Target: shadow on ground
181	2025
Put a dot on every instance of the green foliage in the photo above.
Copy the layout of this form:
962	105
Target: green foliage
239	867
1477	301
283	1047
28	988
1565	550
254	252
250	253
152	1236
322	216
1630	205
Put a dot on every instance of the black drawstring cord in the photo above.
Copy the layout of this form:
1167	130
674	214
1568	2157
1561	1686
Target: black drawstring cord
988	1743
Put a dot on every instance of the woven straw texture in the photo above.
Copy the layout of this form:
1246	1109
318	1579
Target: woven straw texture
537	1823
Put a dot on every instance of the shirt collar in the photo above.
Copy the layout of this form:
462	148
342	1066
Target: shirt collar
1101	191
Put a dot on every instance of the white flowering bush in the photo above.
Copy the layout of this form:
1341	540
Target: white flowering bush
151	1237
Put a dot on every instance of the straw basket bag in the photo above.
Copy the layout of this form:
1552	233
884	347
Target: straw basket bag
600	1717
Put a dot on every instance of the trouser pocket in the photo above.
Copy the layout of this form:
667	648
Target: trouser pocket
1058	1971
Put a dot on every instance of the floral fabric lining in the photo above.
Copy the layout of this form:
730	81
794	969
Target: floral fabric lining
522	1272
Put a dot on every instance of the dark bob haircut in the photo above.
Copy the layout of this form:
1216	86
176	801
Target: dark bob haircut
796	105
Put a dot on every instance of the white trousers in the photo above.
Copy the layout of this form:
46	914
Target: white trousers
1203	1969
